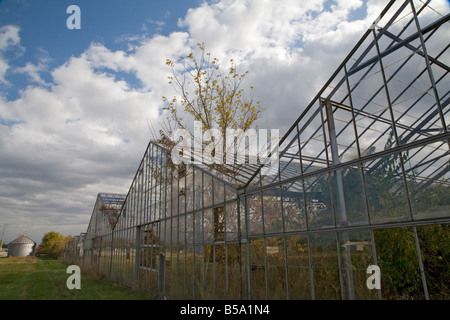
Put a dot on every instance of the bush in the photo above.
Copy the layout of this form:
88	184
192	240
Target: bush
53	244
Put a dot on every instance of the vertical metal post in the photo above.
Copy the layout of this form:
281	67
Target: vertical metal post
341	211
266	267
137	259
375	259
112	254
214	270
247	244
422	271
198	204
3	233
162	275
342	214
311	269
286	267
226	272
238	207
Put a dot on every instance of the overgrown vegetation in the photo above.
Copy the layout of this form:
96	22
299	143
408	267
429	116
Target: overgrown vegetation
53	244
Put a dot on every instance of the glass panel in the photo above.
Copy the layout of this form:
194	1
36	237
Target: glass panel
325	266
169	210
182	195
397	259
198	191
345	133
163	233
231	222
169	234
208	225
298	268
290	159
219	224
207	190
293	206
243	207
189	273
189	228
385	190
234	272
356	257
182	230
189	191
157	210
244	269
312	141
435	249
318	202
273	220
371	108
209	272
181	281
443	91
199	273
230	193
175	208
219	192
254	214
428	180
349	195
170	274
221	284
198	227
257	269
276	268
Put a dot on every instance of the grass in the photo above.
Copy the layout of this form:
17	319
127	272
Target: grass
44	278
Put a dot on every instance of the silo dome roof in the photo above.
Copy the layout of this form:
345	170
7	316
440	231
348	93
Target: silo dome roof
23	240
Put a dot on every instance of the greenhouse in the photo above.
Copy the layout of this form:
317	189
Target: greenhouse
362	180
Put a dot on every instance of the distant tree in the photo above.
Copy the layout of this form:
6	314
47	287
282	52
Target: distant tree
53	243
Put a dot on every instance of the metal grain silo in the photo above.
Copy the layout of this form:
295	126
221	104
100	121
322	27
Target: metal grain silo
21	247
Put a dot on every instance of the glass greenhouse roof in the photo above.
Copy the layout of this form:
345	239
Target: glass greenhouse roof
391	93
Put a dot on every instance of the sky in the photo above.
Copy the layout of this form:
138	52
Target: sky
76	104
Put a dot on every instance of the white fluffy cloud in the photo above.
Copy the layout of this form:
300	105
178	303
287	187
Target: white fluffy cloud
290	48
9	39
84	132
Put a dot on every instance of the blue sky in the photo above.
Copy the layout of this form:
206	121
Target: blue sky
76	105
44	33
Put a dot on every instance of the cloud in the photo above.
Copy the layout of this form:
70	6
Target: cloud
265	29
33	71
83	133
290	48
9	40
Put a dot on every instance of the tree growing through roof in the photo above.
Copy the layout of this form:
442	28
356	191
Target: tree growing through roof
210	95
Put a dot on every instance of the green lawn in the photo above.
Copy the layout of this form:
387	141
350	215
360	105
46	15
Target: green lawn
44	278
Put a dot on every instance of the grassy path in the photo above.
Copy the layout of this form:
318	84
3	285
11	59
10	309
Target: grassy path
45	279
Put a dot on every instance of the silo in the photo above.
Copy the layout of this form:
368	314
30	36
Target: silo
21	247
